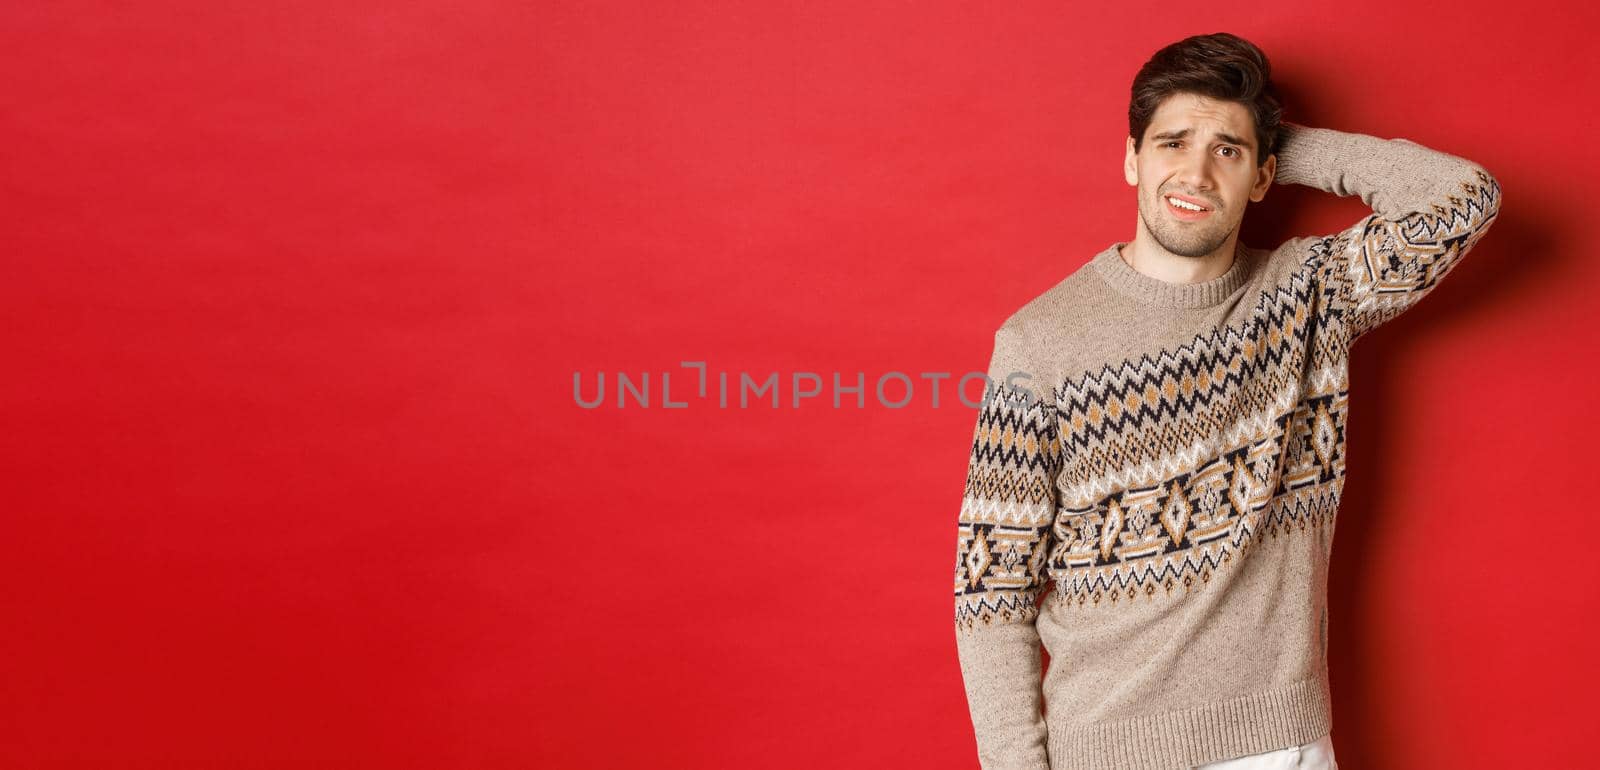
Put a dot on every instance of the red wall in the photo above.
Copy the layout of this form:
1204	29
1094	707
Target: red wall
293	298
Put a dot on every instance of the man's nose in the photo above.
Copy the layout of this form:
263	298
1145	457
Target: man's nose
1196	172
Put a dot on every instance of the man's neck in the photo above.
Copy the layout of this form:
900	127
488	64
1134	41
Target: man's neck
1152	260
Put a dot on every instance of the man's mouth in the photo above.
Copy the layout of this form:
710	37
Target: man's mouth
1186	208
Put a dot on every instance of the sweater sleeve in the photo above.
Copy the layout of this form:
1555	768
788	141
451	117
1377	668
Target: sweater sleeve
1004	537
1429	208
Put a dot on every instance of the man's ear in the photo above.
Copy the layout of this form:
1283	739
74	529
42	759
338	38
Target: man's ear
1264	177
1130	165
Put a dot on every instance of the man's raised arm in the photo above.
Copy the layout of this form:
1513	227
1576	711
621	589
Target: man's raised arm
1004	536
1429	209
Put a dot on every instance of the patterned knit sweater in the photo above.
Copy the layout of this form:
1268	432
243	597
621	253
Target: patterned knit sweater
1169	460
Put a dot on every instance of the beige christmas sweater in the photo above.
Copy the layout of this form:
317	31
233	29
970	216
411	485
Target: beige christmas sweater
1168	463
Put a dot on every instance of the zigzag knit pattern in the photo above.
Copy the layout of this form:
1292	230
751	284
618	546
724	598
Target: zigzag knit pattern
1164	465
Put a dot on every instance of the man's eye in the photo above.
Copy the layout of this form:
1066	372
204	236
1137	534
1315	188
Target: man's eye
1231	150
1169	144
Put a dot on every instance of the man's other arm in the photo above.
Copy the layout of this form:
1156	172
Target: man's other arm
1004	537
1429	209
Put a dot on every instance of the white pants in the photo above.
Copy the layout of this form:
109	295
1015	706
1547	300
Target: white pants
1316	755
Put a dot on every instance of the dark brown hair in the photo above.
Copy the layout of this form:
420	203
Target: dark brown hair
1219	66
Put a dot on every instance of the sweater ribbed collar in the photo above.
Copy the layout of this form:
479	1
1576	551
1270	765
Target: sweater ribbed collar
1154	291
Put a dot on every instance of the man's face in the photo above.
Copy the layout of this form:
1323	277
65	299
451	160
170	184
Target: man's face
1202	151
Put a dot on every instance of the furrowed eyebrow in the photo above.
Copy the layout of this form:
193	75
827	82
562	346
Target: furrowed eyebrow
1184	133
1231	139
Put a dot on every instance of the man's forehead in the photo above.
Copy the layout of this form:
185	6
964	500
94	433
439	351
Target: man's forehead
1240	137
1184	103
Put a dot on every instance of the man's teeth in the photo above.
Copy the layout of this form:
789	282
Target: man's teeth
1185	205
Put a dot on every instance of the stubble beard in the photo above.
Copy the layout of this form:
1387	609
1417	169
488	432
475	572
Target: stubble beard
1193	239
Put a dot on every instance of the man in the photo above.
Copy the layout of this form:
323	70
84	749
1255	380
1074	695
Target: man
1169	453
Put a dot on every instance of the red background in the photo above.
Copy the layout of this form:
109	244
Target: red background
294	294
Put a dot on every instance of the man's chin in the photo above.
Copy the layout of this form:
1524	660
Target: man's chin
1185	248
